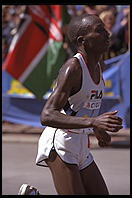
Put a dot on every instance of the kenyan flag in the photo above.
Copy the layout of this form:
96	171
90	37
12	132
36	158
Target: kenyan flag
36	52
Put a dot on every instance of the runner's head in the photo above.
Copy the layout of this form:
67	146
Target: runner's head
88	31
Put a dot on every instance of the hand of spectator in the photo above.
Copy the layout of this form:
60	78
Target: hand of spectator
124	21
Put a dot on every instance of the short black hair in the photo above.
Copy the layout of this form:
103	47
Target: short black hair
79	27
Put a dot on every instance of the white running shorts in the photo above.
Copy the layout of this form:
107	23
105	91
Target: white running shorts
71	147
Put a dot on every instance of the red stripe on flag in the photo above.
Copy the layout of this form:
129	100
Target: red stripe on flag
25	50
48	16
57	11
40	15
58	15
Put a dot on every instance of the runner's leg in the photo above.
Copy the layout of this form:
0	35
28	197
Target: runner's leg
93	180
66	177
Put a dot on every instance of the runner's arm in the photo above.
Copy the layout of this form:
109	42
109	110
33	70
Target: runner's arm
68	82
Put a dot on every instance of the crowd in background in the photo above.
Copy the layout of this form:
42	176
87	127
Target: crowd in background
11	16
115	17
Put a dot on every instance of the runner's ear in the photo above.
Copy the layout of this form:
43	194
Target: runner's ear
80	40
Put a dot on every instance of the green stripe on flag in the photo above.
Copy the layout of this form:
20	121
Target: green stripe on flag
40	79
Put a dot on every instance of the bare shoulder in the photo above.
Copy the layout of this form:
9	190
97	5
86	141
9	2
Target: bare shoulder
71	69
70	76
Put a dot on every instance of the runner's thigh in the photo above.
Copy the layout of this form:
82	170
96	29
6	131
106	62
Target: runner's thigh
93	180
66	177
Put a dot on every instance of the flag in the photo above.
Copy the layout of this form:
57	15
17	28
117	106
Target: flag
36	52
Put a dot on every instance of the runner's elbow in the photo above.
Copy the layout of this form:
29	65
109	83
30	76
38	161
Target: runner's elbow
45	118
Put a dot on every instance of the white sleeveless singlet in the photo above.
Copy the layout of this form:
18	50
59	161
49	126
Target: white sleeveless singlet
87	102
72	144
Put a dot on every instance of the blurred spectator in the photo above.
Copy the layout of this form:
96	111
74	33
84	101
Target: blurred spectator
120	29
121	19
89	9
6	24
113	9
108	19
100	8
116	20
117	24
72	10
4	48
79	9
11	15
128	33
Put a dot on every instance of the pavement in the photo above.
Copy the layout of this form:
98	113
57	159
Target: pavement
22	133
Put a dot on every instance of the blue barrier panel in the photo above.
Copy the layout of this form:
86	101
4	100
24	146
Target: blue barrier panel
120	84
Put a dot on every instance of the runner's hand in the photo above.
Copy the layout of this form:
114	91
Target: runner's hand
104	139
108	122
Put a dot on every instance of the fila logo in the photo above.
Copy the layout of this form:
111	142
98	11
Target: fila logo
96	95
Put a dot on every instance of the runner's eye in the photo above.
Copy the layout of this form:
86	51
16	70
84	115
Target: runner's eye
100	30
